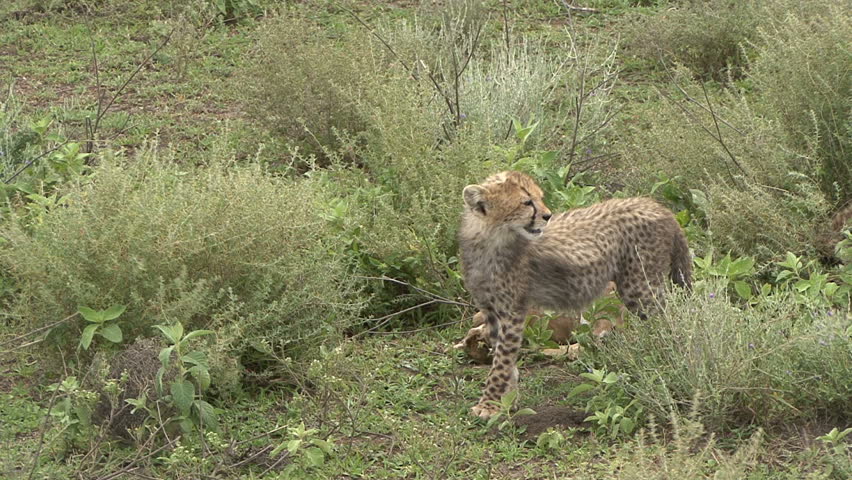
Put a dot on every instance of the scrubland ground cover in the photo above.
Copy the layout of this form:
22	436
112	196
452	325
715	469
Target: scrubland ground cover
227	236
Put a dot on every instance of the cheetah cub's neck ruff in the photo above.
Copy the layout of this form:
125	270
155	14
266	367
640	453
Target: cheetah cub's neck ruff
517	256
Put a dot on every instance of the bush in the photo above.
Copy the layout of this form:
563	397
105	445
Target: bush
762	196
303	82
768	364
220	246
704	35
801	76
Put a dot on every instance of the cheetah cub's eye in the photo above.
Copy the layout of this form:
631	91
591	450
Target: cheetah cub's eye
528	203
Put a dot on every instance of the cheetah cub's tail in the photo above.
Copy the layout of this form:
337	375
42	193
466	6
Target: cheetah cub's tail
681	261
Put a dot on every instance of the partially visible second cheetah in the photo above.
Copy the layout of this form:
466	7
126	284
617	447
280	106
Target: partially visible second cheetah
516	256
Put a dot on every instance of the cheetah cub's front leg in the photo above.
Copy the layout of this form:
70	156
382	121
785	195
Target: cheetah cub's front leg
506	336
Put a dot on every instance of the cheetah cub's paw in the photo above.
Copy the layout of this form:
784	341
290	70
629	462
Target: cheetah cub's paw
484	410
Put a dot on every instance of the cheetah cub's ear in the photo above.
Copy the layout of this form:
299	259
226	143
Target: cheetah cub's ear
474	197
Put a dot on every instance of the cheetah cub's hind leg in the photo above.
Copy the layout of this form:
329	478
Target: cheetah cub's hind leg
506	336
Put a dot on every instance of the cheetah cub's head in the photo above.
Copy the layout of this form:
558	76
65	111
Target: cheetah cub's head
508	199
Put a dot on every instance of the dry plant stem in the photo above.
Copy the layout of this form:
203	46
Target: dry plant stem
38	330
133	465
696	121
283	457
42	433
102	109
399	332
718	131
583	94
29	164
688	96
418	289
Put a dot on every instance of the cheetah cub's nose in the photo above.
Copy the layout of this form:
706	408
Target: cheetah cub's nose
546	217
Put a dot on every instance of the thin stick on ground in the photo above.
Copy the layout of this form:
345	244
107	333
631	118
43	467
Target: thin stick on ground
38	330
42	433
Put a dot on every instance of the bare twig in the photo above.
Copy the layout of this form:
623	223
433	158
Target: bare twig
252	457
28	164
102	109
689	97
43	431
90	134
38	330
420	290
399	332
697	121
382	321
719	132
130	467
283	457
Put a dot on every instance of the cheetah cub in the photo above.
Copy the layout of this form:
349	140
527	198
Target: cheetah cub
517	256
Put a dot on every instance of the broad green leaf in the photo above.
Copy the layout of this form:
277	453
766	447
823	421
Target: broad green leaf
91	315
324	445
494	419
84	414
509	397
275	451
315	456
293	445
112	333
201	375
173	333
802	285
160	373
165	356
740	266
198	333
583	387
627	425
195	358
113	312
830	289
525	411
183	393
743	289
185	425
207	415
611	378
88	333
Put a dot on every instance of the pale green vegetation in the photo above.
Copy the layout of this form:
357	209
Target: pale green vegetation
228	236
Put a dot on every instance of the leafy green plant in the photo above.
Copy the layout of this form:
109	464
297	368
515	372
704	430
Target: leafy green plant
73	409
305	448
613	413
538	334
551	440
232	10
505	413
561	191
101	322
726	271
809	286
193	409
839	463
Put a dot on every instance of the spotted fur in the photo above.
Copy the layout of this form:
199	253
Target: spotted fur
515	259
